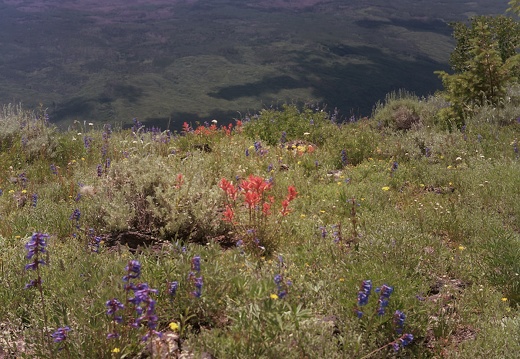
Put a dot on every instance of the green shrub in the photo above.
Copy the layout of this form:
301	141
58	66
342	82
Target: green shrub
289	124
400	111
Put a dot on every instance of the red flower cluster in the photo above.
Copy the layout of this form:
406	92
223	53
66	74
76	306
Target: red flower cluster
179	180
292	194
253	190
211	130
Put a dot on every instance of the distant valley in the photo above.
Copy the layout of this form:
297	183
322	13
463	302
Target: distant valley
165	61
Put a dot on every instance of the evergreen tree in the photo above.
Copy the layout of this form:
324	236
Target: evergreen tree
485	62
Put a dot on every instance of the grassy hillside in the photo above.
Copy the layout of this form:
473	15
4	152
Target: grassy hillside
266	238
174	61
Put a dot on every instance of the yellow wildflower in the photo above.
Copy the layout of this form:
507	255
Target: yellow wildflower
462	248
24	191
504	299
385	188
274	296
115	350
174	326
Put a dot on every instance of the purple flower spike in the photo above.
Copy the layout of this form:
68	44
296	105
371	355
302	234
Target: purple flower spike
172	288
399	318
75	215
364	292
35	246
133	269
113	306
403	341
60	334
195	263
384	294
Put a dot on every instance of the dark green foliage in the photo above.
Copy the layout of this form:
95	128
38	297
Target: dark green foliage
514	6
504	30
270	125
485	63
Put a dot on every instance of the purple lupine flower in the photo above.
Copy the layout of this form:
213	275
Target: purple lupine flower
133	269
145	308
323	230
113	306
76	214
60	334
395	165
195	264
282	288
54	169
108	129
95	244
403	341
172	288
36	245
35	264
142	293
99	170
137	125
358	313
34	199
364	292
87	141
258	146
247	152
399	318
33	283
197	282
384	294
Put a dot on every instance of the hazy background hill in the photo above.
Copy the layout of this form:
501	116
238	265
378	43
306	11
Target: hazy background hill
195	60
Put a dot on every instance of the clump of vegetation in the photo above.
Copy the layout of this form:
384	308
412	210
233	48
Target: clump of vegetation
400	111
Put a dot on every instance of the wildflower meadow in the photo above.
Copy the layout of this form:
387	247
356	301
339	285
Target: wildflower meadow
284	234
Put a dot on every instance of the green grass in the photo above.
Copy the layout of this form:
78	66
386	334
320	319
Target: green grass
434	214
